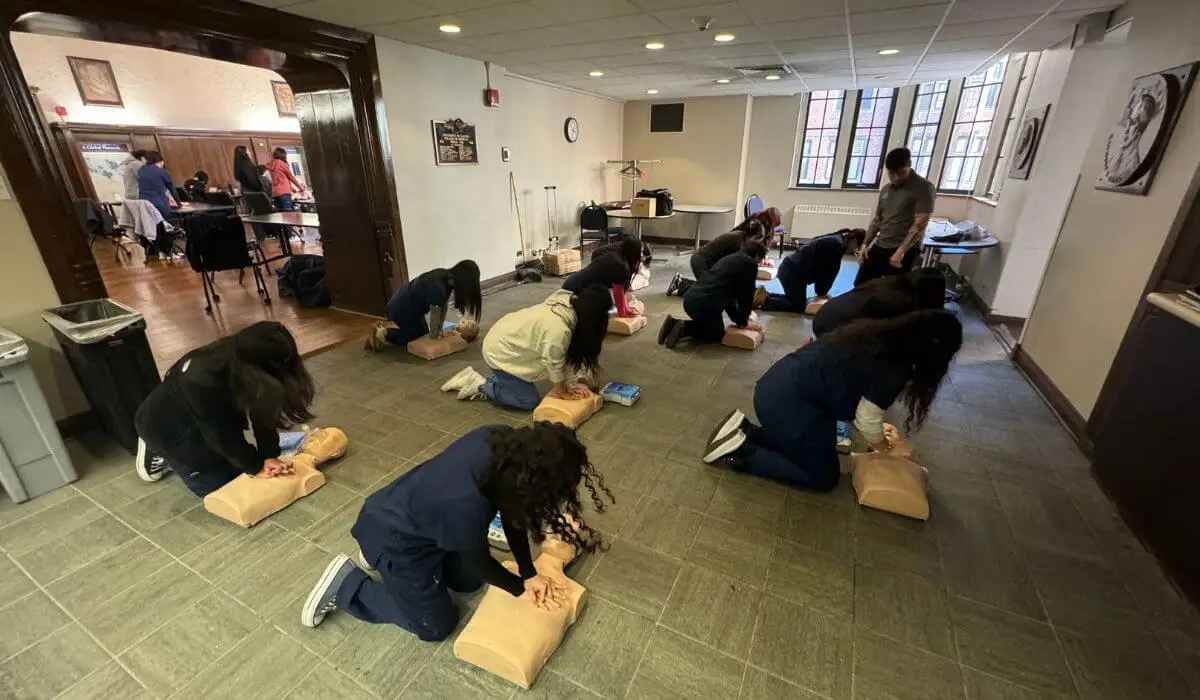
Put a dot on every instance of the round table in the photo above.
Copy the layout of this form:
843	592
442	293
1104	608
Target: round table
700	210
932	250
637	220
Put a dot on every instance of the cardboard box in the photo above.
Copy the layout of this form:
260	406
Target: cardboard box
561	262
643	207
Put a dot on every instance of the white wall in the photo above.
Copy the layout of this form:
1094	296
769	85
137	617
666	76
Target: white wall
26	289
1109	241
457	211
159	88
702	165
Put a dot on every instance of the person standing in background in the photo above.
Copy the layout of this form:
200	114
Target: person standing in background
245	172
283	183
155	184
136	160
898	227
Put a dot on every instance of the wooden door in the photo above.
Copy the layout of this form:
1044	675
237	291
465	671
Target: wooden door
354	257
145	142
180	155
214	155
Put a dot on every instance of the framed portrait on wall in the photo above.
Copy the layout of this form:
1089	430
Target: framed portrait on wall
285	101
95	81
1029	135
1135	147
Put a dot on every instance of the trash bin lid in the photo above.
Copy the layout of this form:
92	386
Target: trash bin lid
13	349
91	321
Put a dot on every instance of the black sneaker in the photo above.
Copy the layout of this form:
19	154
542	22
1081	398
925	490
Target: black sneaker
149	466
731	422
321	600
665	329
724	448
673	287
674	334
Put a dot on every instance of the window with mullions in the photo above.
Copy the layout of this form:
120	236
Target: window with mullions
972	127
871	125
820	138
926	119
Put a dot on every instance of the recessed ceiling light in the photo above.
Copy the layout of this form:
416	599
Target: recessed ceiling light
450	28
722	81
655	45
724	37
773	76
883	77
652	91
889	52
597	74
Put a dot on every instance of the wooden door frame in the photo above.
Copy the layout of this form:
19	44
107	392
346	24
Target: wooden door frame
311	55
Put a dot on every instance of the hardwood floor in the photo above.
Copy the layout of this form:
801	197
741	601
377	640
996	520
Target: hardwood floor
170	296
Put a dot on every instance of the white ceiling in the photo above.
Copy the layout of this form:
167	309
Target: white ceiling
827	43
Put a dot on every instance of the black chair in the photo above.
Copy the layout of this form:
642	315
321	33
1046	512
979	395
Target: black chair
257	203
220	199
593	225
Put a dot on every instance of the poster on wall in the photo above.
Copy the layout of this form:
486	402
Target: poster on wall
454	143
95	81
1135	147
1033	123
285	101
105	163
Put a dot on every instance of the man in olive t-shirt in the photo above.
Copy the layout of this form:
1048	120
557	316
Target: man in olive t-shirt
898	226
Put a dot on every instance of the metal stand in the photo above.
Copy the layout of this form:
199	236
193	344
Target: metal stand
696	245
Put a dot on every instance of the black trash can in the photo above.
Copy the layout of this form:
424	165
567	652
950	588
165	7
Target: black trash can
105	342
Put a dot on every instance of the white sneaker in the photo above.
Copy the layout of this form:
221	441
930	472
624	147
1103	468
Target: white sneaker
724	448
470	390
459	380
731	422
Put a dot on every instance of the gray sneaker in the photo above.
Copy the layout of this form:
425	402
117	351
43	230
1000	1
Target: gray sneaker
321	601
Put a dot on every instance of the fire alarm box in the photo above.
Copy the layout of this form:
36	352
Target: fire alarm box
491	97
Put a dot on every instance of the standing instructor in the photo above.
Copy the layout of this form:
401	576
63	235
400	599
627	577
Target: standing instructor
896	230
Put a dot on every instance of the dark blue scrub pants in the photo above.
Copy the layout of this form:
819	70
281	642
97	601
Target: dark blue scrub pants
413	595
410	323
706	324
795	293
797	444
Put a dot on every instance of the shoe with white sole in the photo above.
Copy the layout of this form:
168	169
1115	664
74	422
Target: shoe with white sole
459	380
731	422
470	390
322	599
725	447
149	466
378	337
360	560
496	536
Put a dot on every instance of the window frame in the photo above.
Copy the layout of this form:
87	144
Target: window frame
955	123
1016	112
837	142
887	135
936	124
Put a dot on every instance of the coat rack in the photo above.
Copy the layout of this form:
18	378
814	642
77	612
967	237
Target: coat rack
632	172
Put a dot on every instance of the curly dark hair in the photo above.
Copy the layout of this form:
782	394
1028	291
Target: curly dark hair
924	342
536	474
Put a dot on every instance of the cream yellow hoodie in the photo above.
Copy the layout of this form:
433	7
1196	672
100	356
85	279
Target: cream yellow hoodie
532	343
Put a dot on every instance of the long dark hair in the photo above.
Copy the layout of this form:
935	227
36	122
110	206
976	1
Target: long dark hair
267	378
750	227
535	478
591	324
630	251
239	152
923	341
468	298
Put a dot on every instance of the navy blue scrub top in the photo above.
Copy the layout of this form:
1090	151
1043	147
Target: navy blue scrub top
831	380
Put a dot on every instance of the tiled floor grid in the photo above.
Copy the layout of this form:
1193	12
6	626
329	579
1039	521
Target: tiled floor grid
1023	584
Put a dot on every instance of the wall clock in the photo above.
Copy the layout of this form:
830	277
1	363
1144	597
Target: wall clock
571	129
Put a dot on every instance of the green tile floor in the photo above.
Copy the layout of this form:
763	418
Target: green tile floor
1023	584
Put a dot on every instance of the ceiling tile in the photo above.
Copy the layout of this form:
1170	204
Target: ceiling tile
360	13
968	30
725	15
897	20
278	4
580	10
660	5
499	19
452	6
769	11
808	29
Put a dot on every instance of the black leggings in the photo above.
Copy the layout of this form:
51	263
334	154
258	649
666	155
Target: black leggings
706	324
698	265
201	469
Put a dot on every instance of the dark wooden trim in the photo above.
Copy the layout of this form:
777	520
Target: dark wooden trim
129	129
77	424
1070	417
312	56
1183	243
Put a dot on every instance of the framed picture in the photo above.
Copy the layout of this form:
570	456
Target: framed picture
1135	147
454	143
285	101
95	81
1033	123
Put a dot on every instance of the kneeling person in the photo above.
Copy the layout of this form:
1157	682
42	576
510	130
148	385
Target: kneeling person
728	287
817	263
883	297
194	421
426	533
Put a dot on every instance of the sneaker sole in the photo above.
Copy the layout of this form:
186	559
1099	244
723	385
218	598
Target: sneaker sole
665	329
460	376
731	422
139	465
674	336
309	612
724	448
